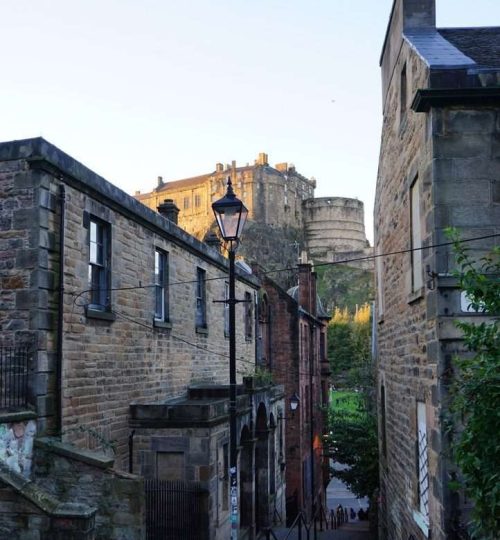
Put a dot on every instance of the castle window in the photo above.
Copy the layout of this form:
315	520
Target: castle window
99	265
186	203
197	201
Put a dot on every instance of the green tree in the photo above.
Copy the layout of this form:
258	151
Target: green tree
344	286
475	392
353	442
349	345
340	342
353	439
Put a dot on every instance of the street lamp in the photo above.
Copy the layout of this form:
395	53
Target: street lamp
294	402
231	215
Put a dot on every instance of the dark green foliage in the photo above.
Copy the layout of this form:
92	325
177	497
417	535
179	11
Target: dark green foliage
475	393
340	348
353	442
343	286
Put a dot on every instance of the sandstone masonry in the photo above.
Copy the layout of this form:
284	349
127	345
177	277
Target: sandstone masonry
439	167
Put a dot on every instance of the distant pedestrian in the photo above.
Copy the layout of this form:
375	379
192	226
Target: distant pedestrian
352	514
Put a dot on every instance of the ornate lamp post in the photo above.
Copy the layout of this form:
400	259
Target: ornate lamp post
231	215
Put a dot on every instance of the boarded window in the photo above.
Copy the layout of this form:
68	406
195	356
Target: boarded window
170	465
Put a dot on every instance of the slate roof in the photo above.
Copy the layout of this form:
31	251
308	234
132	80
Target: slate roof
480	44
435	50
457	48
320	310
195	180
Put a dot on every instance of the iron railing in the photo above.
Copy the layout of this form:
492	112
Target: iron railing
15	363
176	510
308	530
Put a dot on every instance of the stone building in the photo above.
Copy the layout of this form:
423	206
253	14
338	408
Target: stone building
278	197
292	346
126	348
439	167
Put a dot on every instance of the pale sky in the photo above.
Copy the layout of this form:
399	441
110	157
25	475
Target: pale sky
140	89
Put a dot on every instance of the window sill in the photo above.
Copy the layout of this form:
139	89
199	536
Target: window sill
202	330
100	314
415	296
17	416
166	325
422	522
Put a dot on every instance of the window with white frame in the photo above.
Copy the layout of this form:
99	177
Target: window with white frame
161	286
416	237
201	299
99	265
422	462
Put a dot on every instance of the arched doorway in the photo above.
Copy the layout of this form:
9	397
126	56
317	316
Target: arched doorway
247	522
262	510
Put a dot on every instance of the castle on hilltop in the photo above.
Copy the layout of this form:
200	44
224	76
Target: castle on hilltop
279	197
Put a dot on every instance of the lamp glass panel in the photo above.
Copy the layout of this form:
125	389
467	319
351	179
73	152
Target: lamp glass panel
228	220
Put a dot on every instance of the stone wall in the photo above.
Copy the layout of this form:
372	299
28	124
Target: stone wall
28	276
451	153
107	362
89	479
406	369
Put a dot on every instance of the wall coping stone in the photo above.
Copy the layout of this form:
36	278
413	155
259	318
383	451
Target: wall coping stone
43	155
42	499
96	459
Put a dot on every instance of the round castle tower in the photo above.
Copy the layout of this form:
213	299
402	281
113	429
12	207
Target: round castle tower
334	225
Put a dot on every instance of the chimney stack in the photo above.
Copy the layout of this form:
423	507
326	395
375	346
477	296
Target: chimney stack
219	167
262	159
169	210
212	240
160	181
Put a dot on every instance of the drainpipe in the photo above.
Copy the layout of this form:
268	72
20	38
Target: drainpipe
60	310
311	419
131	452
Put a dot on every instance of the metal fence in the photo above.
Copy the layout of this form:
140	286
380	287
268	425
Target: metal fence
176	510
15	363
